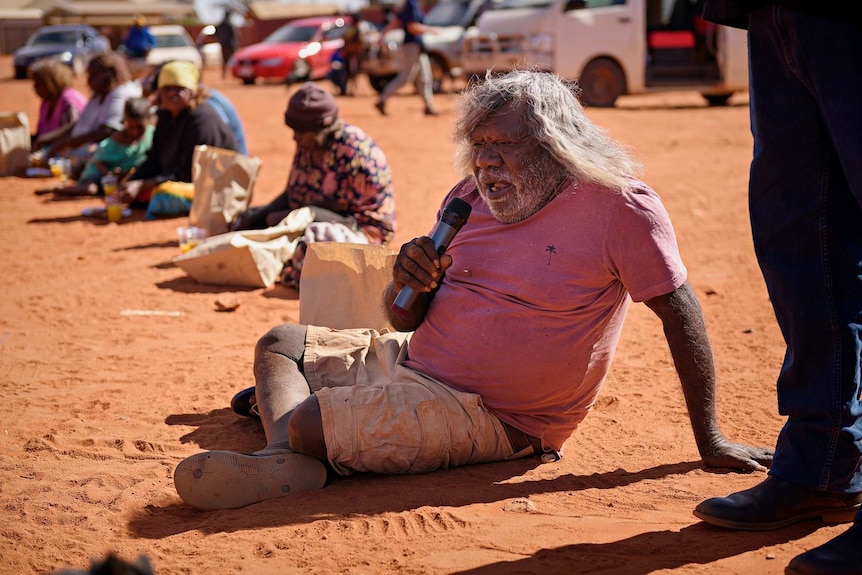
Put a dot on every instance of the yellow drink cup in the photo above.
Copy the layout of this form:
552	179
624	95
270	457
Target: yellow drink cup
113	209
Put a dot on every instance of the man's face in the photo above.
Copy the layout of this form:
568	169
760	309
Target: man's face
515	175
174	99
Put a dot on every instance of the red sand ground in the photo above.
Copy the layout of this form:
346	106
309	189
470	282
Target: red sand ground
99	407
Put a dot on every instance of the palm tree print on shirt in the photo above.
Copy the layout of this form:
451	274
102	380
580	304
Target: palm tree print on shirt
551	251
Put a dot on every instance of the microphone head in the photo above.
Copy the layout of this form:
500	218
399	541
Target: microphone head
456	213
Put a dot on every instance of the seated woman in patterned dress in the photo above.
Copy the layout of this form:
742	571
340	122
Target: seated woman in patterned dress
338	171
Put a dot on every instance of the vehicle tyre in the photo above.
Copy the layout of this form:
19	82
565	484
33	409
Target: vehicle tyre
602	82
717	99
248	81
20	72
78	66
379	82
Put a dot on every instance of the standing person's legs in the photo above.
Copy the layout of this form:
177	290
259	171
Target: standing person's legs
833	71
426	85
807	224
806	217
406	72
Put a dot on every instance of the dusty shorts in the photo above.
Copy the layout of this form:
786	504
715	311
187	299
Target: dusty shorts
381	417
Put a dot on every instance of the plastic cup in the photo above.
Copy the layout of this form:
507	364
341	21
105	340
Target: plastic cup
113	209
189	237
109	184
57	167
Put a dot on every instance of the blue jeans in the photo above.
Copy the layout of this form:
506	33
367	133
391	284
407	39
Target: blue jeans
805	200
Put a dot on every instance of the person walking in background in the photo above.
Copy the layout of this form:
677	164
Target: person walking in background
805	199
413	57
228	39
61	104
139	41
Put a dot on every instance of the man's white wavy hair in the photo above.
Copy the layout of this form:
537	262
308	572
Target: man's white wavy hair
555	119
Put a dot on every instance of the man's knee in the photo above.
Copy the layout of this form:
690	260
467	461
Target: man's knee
305	429
286	339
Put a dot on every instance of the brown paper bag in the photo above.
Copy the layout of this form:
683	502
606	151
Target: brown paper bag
250	258
223	181
14	142
342	285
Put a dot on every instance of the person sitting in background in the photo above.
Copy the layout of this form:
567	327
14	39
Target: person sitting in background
228	113
61	104
111	85
219	101
139	41
184	120
118	154
338	171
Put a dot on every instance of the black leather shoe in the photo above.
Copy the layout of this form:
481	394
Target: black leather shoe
839	556
241	403
776	503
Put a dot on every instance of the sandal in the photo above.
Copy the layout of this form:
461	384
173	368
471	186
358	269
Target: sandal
243	403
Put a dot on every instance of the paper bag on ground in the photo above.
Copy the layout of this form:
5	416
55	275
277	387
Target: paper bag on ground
342	285
14	142
252	258
223	182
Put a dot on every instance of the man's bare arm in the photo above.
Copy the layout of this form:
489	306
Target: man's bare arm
685	330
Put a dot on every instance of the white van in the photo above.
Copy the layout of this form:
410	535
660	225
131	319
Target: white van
612	47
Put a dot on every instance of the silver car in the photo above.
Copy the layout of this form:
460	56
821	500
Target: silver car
73	44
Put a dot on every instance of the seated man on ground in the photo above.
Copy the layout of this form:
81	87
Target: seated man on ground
111	85
338	171
184	120
506	346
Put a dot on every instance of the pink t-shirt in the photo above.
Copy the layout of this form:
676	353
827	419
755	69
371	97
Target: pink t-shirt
530	313
50	120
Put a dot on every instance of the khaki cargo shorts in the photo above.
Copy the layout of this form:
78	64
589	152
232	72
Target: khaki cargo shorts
381	417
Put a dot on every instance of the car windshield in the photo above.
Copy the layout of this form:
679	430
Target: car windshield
171	41
54	37
446	13
291	34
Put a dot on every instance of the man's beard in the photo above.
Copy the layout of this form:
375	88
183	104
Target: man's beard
534	185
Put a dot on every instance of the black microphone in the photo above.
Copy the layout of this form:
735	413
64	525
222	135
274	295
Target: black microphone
454	217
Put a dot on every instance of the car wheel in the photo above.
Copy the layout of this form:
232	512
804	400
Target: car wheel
602	82
248	81
20	72
78	66
379	82
717	99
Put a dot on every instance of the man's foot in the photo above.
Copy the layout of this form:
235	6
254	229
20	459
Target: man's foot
228	480
776	503
381	107
429	111
839	556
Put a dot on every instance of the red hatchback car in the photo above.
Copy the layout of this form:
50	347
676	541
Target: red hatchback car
298	51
